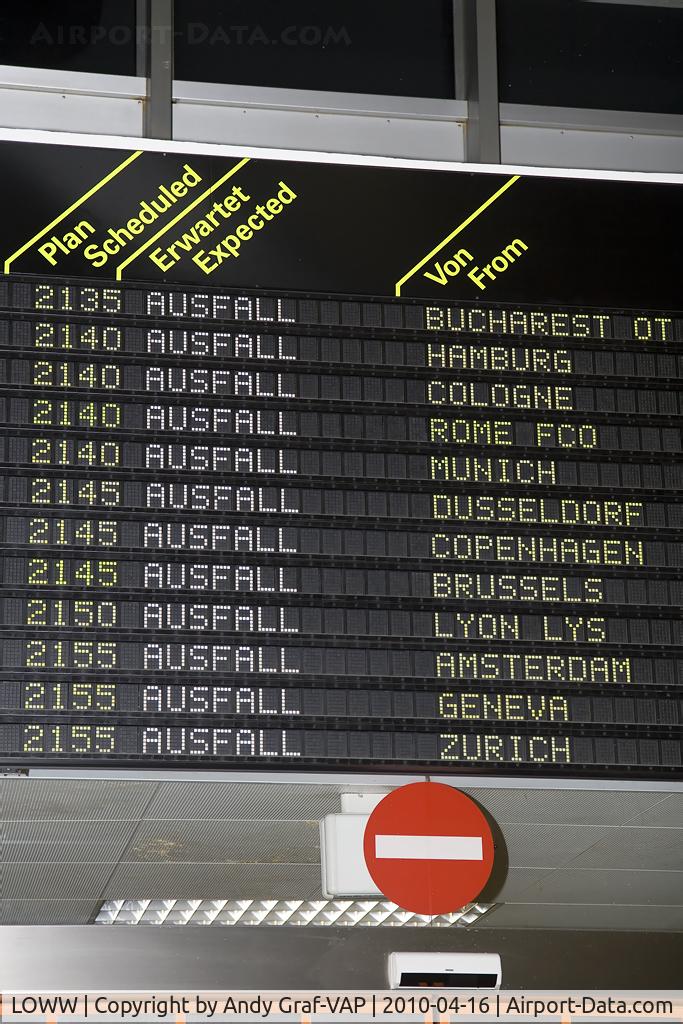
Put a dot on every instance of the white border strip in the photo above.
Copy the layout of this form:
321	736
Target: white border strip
309	156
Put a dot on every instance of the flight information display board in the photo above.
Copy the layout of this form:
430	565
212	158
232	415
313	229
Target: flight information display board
311	465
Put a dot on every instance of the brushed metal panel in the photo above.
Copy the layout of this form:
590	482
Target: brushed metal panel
591	885
636	848
229	800
65	799
214	881
516	883
582	916
42	912
52	841
197	959
78	880
563	806
668	811
548	846
272	842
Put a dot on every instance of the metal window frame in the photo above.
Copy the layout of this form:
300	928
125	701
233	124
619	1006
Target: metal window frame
159	106
473	128
476	78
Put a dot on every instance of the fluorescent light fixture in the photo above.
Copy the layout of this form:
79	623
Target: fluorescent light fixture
325	913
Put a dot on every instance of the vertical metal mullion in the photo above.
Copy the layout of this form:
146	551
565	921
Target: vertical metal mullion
159	106
478	50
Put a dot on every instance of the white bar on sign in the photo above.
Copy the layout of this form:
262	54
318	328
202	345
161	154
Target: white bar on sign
428	848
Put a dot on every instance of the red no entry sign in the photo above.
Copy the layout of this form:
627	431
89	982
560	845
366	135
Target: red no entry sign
428	848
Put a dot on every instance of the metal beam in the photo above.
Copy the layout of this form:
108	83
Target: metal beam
159	105
477	50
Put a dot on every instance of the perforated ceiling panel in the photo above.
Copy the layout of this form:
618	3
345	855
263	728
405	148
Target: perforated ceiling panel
566	858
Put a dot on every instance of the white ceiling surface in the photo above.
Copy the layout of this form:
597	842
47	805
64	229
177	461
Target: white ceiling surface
600	859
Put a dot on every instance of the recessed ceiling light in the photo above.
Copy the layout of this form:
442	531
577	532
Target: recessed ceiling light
325	913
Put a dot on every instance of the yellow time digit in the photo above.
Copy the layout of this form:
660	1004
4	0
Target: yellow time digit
86	453
43	374
44	697
108	573
90	654
39	739
81	739
44	336
87	375
41	451
41	492
39	531
110	454
42	412
41	569
56	733
84	654
110	377
107	655
84	614
87	738
35	697
111	300
93	696
111	415
90	299
104	739
45	296
57	702
105	696
38	571
36	654
97	573
89	337
94	613
108	533
87	492
111	492
87	414
52	414
82	696
111	338
36	612
34	739
83	573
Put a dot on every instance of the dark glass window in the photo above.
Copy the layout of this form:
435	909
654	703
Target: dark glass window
591	53
389	47
71	35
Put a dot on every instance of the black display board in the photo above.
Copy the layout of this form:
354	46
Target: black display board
337	466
